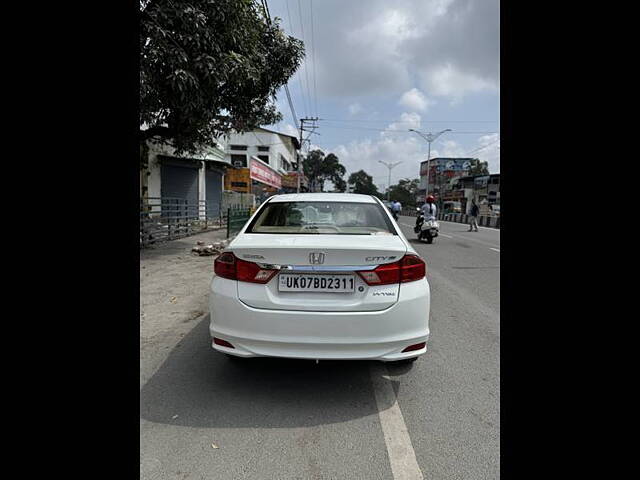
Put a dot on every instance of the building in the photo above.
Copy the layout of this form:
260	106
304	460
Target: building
271	151
441	171
185	184
278	150
484	189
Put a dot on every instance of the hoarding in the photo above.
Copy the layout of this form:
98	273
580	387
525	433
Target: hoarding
262	173
237	180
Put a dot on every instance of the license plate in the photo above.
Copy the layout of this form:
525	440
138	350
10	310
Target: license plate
309	282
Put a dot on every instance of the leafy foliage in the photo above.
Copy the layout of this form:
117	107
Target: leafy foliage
363	183
208	67
405	191
318	169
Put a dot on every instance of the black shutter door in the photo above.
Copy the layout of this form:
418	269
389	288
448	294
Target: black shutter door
213	182
179	191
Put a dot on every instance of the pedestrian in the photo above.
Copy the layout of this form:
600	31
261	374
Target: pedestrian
473	217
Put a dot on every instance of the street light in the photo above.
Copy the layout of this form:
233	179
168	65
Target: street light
429	137
389	166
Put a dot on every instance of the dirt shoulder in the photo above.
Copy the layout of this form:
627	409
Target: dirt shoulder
174	287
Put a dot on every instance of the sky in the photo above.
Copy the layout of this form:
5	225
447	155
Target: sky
376	68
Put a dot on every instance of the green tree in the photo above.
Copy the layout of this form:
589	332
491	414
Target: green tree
209	67
318	169
363	183
478	167
405	191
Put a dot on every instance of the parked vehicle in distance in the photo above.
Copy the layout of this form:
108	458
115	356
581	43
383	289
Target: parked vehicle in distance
496	209
452	207
320	276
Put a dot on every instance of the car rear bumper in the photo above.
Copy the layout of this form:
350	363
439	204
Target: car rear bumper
376	335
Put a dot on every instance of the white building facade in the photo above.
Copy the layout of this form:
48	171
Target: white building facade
278	150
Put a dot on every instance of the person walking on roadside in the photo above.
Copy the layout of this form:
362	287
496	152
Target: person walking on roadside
473	217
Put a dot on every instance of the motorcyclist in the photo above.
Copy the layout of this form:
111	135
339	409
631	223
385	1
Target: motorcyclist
429	209
396	208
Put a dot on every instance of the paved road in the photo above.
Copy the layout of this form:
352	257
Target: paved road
273	419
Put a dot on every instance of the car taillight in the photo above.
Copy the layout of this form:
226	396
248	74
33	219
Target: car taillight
412	268
407	269
229	266
225	266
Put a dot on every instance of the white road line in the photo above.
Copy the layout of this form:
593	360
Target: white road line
402	458
457	236
495	249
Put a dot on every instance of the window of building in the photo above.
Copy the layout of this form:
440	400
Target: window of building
264	158
239	160
263	149
238	147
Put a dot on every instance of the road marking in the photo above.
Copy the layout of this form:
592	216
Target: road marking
458	236
495	250
402	458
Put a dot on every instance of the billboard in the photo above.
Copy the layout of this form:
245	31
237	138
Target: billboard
446	164
263	173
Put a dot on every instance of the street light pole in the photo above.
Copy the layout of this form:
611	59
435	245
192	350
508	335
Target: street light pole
429	137
389	166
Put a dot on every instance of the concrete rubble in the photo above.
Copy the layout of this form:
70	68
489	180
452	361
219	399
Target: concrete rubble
210	249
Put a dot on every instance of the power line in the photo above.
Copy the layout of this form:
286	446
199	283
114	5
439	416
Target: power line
341	127
313	53
286	86
483	147
297	74
406	121
306	69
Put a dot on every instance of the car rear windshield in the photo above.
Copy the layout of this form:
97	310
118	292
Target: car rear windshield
322	218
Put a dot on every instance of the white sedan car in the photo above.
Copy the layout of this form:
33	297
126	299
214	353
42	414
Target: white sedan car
320	276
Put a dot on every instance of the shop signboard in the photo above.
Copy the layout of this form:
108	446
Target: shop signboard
262	173
290	180
237	180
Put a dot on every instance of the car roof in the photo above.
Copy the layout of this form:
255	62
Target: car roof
323	197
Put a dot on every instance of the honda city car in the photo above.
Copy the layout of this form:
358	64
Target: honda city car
320	276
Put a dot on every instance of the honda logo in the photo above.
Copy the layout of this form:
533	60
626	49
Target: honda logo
316	258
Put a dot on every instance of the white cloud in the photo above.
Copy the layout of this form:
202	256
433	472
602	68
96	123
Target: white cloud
381	46
447	80
407	120
414	99
411	150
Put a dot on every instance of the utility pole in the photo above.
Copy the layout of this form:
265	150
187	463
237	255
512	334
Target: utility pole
429	137
389	166
311	131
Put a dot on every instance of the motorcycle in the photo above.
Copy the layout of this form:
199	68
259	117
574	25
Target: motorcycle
426	229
